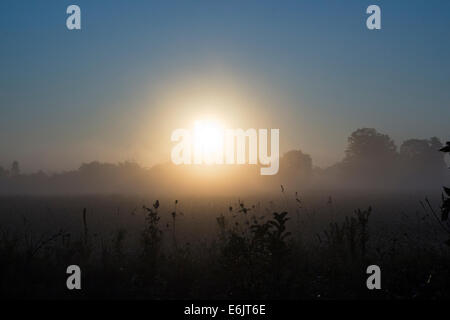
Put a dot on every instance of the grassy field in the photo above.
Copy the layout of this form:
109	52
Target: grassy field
285	246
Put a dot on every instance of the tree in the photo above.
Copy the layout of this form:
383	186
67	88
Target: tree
370	160
15	168
368	144
3	172
295	166
421	148
421	155
420	163
295	161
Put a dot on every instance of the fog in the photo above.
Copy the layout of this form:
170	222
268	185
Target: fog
372	162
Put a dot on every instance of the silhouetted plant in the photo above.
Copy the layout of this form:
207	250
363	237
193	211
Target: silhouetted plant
222	225
86	245
350	234
174	215
263	240
363	221
445	207
152	235
118	244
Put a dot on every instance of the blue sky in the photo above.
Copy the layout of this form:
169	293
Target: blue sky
73	96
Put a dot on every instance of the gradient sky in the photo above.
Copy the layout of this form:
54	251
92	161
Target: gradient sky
139	69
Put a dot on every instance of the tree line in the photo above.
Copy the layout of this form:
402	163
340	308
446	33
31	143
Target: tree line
372	160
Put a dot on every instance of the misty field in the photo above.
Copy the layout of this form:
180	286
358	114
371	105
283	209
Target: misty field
289	246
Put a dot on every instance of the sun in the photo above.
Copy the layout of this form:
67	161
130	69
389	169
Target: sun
208	140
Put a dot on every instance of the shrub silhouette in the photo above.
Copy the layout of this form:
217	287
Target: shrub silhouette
151	238
445	207
349	236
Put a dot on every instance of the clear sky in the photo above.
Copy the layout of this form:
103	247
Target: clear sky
139	69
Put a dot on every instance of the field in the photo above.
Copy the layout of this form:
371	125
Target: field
284	246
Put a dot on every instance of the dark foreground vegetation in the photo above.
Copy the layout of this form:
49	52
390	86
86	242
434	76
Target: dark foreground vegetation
291	247
285	249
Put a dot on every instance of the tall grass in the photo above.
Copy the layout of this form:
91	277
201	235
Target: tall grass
256	252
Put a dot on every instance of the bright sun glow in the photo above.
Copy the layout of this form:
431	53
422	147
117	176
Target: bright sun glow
208	139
